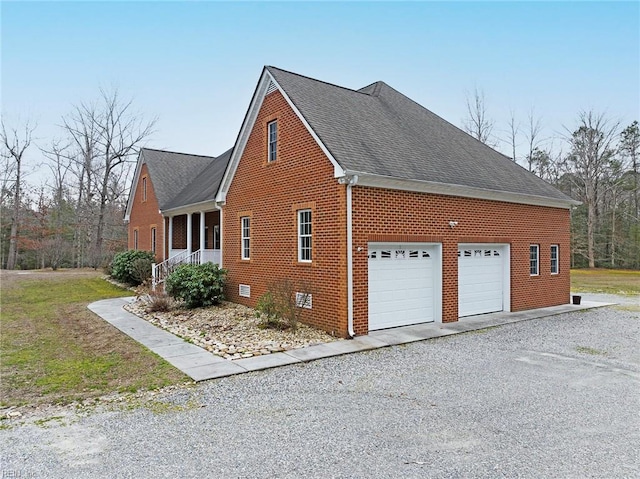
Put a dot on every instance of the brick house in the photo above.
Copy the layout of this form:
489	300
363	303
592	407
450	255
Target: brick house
173	196
381	212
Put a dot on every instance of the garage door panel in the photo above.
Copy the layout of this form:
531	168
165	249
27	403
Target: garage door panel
401	285
480	279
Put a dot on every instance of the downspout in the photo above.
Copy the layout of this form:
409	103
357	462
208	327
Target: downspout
351	181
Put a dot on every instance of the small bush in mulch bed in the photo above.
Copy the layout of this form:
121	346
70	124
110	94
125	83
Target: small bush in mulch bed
197	284
132	267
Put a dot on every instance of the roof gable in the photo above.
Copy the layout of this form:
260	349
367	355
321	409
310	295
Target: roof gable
170	173
266	85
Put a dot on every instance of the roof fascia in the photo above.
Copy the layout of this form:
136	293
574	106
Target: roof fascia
247	126
132	190
387	182
192	208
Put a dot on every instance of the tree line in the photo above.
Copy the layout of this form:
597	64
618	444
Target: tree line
75	219
595	161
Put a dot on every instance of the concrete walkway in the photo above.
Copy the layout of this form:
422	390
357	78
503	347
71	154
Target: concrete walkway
199	364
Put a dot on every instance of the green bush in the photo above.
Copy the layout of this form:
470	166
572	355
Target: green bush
132	267
197	284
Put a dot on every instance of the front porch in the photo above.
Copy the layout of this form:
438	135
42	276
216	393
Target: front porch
192	238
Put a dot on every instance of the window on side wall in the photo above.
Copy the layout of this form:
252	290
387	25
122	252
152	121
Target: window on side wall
135	239
153	240
555	258
245	225
144	188
304	236
272	129
534	260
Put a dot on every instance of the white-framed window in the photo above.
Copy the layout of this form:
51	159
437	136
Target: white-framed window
144	189
304	235
245	222
272	129
135	239
534	260
555	258
153	239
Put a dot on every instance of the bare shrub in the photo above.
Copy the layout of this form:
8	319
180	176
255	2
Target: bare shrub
279	307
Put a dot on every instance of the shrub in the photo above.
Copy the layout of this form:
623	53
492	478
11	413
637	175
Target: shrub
158	302
197	284
132	267
278	307
141	269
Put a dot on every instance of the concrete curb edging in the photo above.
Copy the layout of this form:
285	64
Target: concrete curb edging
199	364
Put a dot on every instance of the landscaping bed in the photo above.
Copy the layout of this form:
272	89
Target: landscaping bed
229	330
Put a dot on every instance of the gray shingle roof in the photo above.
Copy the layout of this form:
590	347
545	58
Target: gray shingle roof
379	131
204	185
176	174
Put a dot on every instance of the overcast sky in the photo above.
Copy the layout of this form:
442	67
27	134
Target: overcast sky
194	66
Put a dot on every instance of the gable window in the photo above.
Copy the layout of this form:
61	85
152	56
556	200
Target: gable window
144	188
273	140
555	267
153	240
135	239
534	259
245	222
304	235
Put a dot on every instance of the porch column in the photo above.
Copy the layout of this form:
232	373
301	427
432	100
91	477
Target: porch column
170	241
189	232
202	226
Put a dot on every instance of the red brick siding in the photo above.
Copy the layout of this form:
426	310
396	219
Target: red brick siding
144	216
391	215
271	193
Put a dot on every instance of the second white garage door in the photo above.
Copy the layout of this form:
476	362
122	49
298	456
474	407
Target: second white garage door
482	279
403	284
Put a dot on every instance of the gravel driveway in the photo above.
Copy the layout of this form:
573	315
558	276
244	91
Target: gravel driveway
552	397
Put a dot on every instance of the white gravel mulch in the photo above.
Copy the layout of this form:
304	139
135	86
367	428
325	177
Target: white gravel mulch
228	330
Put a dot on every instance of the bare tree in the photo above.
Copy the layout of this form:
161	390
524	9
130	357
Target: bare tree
513	131
106	135
592	149
534	129
630	148
15	142
477	123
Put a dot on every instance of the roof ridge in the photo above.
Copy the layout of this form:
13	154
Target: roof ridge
319	81
377	86
181	153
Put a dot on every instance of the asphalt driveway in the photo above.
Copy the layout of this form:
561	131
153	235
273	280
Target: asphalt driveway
552	397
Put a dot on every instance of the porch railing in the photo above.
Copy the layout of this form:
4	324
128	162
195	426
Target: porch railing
160	271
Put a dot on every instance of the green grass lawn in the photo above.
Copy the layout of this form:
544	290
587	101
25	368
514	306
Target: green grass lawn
54	350
598	280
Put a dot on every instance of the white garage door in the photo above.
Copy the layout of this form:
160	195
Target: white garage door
401	284
481	279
